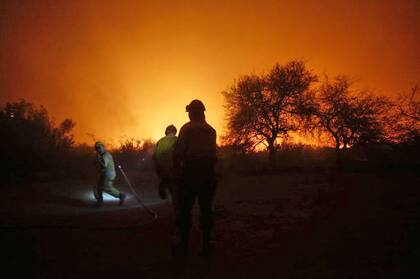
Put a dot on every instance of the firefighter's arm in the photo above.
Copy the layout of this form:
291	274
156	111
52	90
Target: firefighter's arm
162	191
100	160
158	168
107	159
179	150
214	147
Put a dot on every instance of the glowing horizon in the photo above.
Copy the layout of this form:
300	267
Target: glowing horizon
128	68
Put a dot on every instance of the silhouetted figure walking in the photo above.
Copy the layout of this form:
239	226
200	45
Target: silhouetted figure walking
163	160
194	160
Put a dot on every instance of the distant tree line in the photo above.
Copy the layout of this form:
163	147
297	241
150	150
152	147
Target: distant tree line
34	147
30	141
263	110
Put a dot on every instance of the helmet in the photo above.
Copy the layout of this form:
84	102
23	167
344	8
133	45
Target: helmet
170	129
98	143
195	105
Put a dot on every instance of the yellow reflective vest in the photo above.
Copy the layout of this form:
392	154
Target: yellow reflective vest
163	154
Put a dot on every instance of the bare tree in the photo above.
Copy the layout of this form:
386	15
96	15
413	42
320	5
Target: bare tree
409	105
262	108
349	117
406	116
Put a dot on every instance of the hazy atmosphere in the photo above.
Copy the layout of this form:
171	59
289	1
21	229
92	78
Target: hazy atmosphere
134	65
296	151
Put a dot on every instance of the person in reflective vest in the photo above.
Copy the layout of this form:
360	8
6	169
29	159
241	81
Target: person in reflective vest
164	163
106	177
164	166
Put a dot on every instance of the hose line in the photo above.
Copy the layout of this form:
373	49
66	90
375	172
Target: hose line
80	227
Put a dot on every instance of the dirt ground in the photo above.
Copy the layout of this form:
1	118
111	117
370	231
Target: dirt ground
290	225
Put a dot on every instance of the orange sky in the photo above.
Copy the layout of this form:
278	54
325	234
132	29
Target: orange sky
130	67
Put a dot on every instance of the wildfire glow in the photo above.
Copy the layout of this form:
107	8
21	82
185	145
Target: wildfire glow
128	68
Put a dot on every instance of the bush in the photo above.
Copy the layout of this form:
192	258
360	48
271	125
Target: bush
31	144
134	153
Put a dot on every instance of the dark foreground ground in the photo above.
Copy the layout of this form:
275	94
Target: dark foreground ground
301	225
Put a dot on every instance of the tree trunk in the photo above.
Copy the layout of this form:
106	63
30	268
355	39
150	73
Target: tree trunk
338	156
272	154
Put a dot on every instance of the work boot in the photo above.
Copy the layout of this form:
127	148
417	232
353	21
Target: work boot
181	248
206	250
122	198
206	247
98	203
99	199
162	193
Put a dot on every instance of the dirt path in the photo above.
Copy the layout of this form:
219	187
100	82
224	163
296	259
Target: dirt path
285	226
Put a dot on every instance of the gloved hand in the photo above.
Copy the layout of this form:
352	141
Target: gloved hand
162	193
100	160
159	171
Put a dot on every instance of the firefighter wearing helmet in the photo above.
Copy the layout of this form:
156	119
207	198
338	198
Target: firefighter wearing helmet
163	161
194	161
105	164
164	166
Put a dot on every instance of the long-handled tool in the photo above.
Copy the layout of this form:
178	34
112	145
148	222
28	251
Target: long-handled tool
153	213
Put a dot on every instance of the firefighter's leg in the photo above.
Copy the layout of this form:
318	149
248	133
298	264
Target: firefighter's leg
205	200
163	185
110	189
186	203
173	188
174	191
97	192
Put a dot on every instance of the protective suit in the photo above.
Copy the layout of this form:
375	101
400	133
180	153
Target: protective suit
107	175
164	166
163	160
194	161
163	155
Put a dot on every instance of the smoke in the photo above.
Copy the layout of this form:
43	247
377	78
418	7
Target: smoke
130	67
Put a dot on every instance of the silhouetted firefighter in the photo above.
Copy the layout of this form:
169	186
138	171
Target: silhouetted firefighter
107	175
194	160
163	160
